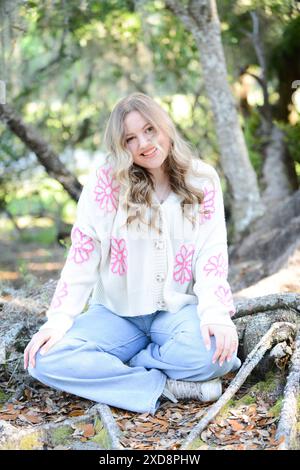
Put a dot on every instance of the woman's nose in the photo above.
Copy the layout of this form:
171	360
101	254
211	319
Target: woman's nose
144	142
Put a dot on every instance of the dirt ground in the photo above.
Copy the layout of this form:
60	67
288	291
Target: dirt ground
19	260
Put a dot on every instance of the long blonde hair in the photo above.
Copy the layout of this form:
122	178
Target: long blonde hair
135	180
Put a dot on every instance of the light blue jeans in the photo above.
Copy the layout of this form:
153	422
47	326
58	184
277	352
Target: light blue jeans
125	361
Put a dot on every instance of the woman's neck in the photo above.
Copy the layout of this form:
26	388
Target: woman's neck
160	179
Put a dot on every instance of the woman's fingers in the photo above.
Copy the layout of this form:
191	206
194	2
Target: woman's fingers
234	345
36	344
52	341
226	349
26	352
226	341
219	346
43	339
206	337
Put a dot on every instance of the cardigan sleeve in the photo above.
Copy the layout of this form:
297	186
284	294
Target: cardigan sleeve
215	302
80	270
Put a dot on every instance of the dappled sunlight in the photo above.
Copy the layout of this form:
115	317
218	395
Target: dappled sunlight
9	276
37	252
23	259
29	221
41	266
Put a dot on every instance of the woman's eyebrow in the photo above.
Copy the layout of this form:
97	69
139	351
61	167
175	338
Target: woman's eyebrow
129	133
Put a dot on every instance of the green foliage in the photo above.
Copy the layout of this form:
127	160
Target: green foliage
276	409
42	236
288	44
72	60
61	435
101	437
292	138
254	140
38	210
3	397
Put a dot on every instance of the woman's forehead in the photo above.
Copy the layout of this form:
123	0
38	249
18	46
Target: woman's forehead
134	122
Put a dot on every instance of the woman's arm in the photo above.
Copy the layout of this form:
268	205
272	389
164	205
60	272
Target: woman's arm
81	268
215	303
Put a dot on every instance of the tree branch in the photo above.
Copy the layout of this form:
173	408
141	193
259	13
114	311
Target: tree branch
287	426
278	332
43	151
288	301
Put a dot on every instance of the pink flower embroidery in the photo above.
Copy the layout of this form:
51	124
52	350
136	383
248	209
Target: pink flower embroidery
217	265
106	190
60	292
183	266
82	246
207	208
224	295
118	256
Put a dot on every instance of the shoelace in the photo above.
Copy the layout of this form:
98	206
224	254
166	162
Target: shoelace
185	389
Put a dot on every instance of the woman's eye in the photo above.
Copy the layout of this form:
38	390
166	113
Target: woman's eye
149	129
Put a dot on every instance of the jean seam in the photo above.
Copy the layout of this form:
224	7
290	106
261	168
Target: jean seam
127	342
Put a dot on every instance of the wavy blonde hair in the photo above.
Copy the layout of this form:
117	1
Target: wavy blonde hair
136	181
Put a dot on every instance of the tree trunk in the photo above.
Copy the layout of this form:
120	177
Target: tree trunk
45	154
279	172
275	171
201	19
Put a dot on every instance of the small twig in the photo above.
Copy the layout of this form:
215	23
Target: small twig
287	426
14	371
278	332
8	339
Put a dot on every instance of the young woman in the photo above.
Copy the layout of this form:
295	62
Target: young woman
150	242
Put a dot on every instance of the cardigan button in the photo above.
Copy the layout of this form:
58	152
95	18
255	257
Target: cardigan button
159	244
160	277
161	304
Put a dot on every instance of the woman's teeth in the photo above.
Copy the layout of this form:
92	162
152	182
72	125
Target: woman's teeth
149	154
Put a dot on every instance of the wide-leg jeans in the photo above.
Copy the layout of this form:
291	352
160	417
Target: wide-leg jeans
125	361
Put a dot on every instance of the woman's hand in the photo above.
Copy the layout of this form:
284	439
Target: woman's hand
226	341
44	338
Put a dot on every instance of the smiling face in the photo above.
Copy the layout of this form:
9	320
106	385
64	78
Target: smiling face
141	139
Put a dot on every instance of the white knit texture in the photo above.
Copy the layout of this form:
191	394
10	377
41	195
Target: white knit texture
137	273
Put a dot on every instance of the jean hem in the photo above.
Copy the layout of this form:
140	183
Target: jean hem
160	388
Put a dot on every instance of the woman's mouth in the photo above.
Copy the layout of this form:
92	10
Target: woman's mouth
150	154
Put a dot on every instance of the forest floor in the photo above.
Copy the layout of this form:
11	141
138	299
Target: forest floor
248	422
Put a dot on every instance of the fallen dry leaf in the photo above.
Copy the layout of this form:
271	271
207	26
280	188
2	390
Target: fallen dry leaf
236	426
88	430
34	419
7	417
76	413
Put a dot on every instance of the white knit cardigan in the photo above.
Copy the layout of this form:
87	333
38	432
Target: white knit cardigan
135	271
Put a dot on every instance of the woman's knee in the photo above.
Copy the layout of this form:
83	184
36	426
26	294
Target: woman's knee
217	370
42	367
54	361
183	349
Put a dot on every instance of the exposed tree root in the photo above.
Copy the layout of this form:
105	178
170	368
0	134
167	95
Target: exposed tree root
279	332
272	302
287	426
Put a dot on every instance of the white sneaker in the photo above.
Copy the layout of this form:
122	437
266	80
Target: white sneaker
208	391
